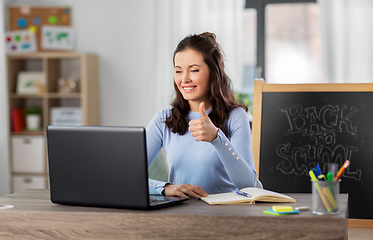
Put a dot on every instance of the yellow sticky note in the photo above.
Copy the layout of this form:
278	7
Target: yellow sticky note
32	29
282	208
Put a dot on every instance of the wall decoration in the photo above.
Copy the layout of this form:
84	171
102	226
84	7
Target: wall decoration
57	38
36	20
22	22
30	82
20	42
25	10
68	85
32	29
24	17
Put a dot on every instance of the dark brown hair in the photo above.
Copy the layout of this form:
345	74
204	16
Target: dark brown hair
221	95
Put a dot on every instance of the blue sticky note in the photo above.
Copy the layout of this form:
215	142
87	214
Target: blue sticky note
37	20
22	22
270	211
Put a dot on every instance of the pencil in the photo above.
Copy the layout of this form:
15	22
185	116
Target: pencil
342	170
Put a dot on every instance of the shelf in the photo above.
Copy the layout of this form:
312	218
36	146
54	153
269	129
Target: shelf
63	95
28	133
46	95
41	55
29	174
20	96
83	68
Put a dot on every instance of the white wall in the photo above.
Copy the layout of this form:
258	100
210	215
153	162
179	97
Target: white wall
120	32
4	147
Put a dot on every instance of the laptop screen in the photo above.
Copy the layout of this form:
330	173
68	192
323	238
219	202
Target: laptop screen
98	166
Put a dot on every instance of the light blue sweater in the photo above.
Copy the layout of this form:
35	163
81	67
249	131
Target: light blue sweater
222	165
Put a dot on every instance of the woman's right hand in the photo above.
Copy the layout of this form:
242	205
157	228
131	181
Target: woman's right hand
183	190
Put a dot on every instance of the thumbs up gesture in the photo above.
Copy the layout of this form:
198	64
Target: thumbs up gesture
203	129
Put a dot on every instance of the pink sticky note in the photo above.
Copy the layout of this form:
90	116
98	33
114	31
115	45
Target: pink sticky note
25	10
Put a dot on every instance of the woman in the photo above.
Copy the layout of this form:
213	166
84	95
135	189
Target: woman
206	134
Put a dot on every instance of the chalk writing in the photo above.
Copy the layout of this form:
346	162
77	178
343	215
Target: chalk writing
319	129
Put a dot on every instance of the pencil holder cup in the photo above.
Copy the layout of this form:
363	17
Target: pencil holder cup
325	197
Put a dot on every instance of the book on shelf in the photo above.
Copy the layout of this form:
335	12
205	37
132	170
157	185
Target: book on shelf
247	195
18	120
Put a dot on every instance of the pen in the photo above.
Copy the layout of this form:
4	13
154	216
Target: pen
243	194
342	170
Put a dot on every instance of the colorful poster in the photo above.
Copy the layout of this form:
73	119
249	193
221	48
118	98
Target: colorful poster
57	38
22	41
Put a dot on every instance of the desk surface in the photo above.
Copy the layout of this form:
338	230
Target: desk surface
34	215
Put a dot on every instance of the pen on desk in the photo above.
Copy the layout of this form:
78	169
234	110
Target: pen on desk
342	170
243	194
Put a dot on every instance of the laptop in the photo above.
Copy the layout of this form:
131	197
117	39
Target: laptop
101	166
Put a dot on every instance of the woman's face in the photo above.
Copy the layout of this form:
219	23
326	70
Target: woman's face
192	77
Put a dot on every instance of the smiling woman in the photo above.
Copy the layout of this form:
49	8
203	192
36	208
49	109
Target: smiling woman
192	78
208	151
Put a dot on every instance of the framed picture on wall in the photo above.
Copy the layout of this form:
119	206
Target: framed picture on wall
30	82
20	42
57	38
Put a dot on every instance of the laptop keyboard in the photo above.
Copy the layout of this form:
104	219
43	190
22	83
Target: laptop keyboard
154	200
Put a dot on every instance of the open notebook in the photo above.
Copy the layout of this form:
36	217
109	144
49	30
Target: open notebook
247	195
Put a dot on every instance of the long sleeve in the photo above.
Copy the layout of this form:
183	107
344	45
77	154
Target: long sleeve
154	141
236	152
212	166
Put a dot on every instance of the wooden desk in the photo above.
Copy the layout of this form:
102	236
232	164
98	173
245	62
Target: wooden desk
35	217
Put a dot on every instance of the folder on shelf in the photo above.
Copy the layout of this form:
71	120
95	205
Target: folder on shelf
18	120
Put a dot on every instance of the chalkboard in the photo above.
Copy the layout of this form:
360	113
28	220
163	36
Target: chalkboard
316	124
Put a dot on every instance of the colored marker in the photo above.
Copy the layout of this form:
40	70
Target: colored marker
321	177
329	176
342	170
318	169
321	194
314	170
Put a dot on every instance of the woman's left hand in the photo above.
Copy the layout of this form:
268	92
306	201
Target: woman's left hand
203	129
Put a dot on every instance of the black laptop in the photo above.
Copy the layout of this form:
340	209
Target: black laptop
101	167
